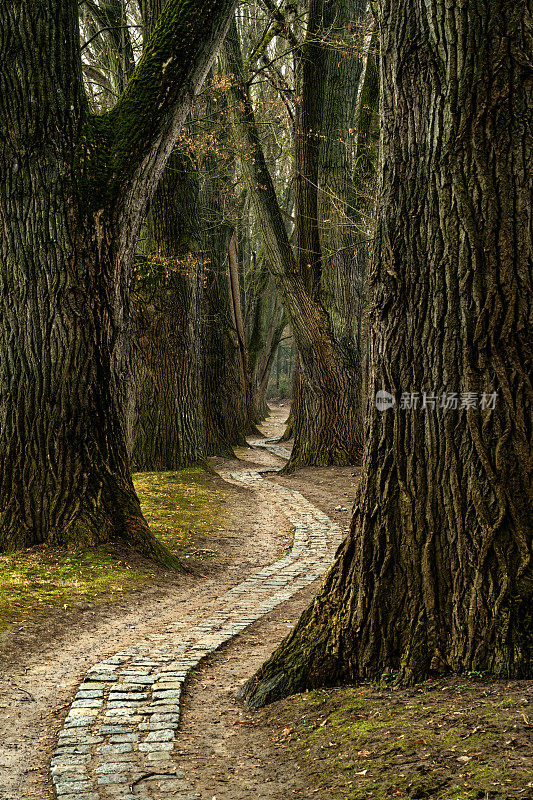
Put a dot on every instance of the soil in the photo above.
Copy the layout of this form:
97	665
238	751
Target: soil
227	752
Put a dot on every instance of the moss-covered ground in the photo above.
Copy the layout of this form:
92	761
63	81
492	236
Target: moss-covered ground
184	509
449	740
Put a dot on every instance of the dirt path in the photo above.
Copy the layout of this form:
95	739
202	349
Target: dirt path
42	672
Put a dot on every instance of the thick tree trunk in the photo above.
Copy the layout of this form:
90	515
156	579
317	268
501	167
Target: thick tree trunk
74	192
239	335
223	396
435	575
168	428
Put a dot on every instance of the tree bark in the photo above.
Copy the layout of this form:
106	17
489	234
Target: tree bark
435	576
166	330
266	321
73	197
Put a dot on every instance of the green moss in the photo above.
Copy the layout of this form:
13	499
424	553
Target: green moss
182	509
179	506
441	743
48	577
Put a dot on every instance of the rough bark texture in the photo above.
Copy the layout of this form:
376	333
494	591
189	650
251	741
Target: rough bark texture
227	387
435	575
73	197
168	429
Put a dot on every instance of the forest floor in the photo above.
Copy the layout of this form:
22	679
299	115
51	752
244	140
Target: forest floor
461	739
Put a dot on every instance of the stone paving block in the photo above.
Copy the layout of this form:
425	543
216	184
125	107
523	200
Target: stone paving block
67	759
110	758
121	712
104	779
77	736
126	747
151	747
73	788
76	749
110	767
77	722
157	726
160	736
87	703
168	685
72	774
76	711
158	755
114	729
125	704
165	718
81	796
124	737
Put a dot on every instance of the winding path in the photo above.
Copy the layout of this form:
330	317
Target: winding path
118	737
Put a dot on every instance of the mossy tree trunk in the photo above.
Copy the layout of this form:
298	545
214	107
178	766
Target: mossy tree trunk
75	190
166	329
435	576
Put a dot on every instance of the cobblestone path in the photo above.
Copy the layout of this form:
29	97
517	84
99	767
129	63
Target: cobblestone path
118	738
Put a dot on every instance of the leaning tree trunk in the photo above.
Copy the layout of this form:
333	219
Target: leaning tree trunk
73	196
435	575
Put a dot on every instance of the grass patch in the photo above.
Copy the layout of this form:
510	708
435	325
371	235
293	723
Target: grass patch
448	741
182	508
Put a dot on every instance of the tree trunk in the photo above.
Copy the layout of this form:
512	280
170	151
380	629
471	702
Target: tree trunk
327	431
168	429
435	575
223	398
239	334
343	231
73	197
265	323
264	364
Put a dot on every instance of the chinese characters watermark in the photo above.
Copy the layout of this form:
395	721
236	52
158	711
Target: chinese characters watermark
433	401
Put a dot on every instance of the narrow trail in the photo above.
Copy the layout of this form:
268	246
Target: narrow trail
120	734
